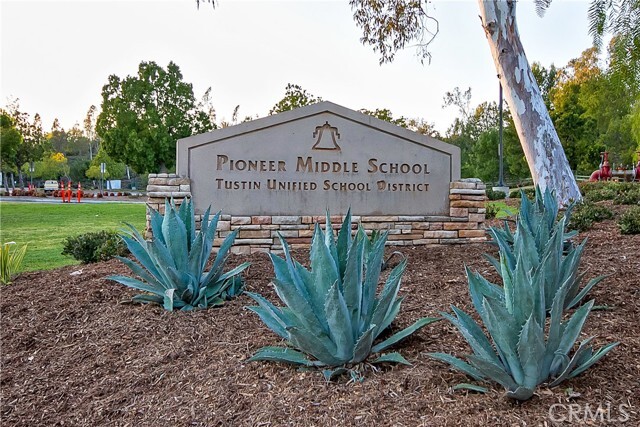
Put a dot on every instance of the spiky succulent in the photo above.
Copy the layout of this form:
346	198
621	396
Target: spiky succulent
546	242
332	315
172	265
538	217
527	349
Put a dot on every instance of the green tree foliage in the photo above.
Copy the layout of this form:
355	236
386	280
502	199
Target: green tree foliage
10	140
621	18
78	168
423	127
294	97
546	79
32	145
475	131
144	115
386	115
593	111
52	166
113	169
635	123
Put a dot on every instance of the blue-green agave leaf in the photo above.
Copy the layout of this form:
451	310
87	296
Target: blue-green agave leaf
319	346
400	335
343	244
168	299
391	315
573	328
372	275
520	393
531	351
472	333
459	365
363	345
282	354
392	358
593	359
383	304
175	236
493	371
299	305
504	332
330	374
580	296
472	387
339	321
137	284
352	282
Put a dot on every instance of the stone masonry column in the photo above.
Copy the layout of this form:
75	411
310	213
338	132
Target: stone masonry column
162	186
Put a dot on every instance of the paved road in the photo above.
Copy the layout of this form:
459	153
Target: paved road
53	200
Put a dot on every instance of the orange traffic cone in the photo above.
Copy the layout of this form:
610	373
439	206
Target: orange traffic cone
79	192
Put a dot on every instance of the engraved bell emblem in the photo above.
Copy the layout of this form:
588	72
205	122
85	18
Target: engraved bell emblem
327	136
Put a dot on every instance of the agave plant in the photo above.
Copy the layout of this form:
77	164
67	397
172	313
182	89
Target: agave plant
546	243
332	314
538	217
526	350
10	261
172	265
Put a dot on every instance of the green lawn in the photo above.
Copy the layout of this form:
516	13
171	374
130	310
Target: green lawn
504	211
45	226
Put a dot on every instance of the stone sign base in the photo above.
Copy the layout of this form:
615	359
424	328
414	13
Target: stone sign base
464	224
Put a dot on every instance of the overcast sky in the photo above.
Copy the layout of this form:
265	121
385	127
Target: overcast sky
57	55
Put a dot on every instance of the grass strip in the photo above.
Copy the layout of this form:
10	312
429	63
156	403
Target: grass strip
44	227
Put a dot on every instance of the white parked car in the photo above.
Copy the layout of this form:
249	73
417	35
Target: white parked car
50	185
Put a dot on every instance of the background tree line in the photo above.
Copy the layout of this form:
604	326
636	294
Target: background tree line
594	108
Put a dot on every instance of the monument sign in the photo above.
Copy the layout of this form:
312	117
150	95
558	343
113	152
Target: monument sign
319	157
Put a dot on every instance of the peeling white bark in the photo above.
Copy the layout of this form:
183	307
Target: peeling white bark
540	143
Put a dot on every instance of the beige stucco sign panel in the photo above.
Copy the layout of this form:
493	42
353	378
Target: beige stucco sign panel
315	158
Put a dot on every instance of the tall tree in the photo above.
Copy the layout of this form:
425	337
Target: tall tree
89	124
143	116
294	97
10	140
31	147
390	25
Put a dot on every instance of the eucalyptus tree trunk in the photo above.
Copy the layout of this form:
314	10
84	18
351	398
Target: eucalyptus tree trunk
538	137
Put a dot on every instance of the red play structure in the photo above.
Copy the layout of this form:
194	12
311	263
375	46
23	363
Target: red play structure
604	173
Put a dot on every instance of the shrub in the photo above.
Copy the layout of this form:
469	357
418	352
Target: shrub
629	222
619	192
94	246
629	196
495	195
527	352
491	210
332	315
172	265
10	261
530	192
586	213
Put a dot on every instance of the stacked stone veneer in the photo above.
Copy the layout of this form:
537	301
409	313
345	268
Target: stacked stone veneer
464	224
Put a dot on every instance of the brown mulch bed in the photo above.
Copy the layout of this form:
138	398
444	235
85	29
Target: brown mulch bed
75	351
